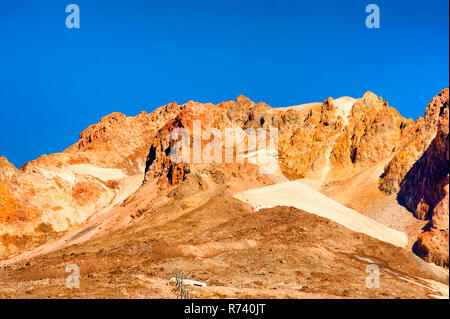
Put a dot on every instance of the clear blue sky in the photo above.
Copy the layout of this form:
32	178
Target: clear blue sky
134	55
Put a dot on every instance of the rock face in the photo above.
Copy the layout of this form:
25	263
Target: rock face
414	142
159	163
343	137
425	190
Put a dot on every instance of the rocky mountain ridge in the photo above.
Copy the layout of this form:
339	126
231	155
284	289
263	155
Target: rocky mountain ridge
329	143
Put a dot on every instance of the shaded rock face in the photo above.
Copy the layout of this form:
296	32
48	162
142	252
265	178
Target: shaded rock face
425	191
6	168
414	142
423	187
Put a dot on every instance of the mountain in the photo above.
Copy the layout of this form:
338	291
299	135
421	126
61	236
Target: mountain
348	181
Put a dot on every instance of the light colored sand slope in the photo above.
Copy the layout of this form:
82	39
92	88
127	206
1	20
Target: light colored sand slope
299	195
267	161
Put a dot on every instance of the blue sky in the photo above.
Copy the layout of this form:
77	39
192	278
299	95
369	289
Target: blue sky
137	55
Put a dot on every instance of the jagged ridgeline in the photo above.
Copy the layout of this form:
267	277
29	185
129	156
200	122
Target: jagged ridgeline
361	145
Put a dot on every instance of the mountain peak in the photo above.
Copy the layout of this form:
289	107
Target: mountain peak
242	99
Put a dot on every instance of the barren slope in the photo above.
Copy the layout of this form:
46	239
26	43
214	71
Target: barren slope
276	253
299	195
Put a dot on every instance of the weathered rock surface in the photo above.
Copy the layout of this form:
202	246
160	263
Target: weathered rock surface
425	191
343	137
414	142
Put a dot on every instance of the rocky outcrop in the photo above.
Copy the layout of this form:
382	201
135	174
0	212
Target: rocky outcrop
425	191
159	163
423	187
6	169
433	244
121	141
414	142
343	137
